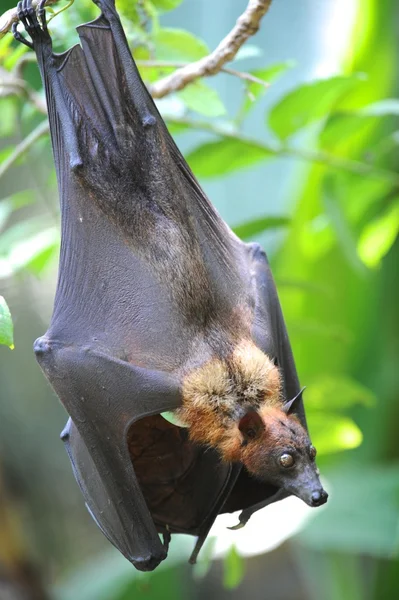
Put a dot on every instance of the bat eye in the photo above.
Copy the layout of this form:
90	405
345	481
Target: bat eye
312	452
287	460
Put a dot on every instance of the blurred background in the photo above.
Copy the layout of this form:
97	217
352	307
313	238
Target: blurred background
308	166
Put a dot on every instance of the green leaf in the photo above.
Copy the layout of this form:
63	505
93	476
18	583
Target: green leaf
308	103
201	98
251	228
255	91
340	223
362	512
166	4
225	156
8	117
233	569
337	392
378	237
33	253
171	417
332	432
6	326
177	45
344	128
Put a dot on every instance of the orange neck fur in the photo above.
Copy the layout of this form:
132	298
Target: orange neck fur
216	395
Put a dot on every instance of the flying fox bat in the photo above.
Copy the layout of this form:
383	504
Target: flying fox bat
159	307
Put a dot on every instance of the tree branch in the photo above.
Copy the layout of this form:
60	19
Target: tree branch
246	26
179	65
11	16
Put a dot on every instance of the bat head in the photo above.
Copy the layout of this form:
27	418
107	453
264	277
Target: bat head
276	449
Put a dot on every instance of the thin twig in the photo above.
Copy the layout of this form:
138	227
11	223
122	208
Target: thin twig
26	143
247	25
356	167
165	64
11	16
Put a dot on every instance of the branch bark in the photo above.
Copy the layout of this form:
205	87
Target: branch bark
247	25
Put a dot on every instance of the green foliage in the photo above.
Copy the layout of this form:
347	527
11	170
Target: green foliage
367	510
251	228
308	103
178	45
233	569
202	99
255	91
214	159
6	326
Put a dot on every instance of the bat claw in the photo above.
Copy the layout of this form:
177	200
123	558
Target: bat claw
27	15
239	525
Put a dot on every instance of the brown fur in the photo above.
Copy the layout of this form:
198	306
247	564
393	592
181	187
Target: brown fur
218	394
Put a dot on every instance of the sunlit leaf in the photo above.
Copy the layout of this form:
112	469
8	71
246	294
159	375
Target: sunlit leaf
166	4
337	392
251	228
6	326
177	45
225	156
343	128
316	237
255	90
332	432
14	56
203	99
340	224
233	569
307	103
378	236
171	417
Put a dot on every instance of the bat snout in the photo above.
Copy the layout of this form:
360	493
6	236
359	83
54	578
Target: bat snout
318	497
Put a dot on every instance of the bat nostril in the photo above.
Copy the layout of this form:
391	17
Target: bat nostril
319	497
316	497
41	346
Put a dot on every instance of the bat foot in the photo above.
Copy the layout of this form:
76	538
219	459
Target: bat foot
27	16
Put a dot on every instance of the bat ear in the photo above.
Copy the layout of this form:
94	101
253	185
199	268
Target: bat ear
290	405
251	425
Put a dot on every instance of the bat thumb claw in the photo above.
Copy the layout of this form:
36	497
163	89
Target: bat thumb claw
239	525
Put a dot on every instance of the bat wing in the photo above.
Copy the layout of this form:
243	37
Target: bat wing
151	283
128	313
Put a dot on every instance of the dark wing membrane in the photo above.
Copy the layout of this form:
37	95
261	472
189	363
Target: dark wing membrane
146	267
133	209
